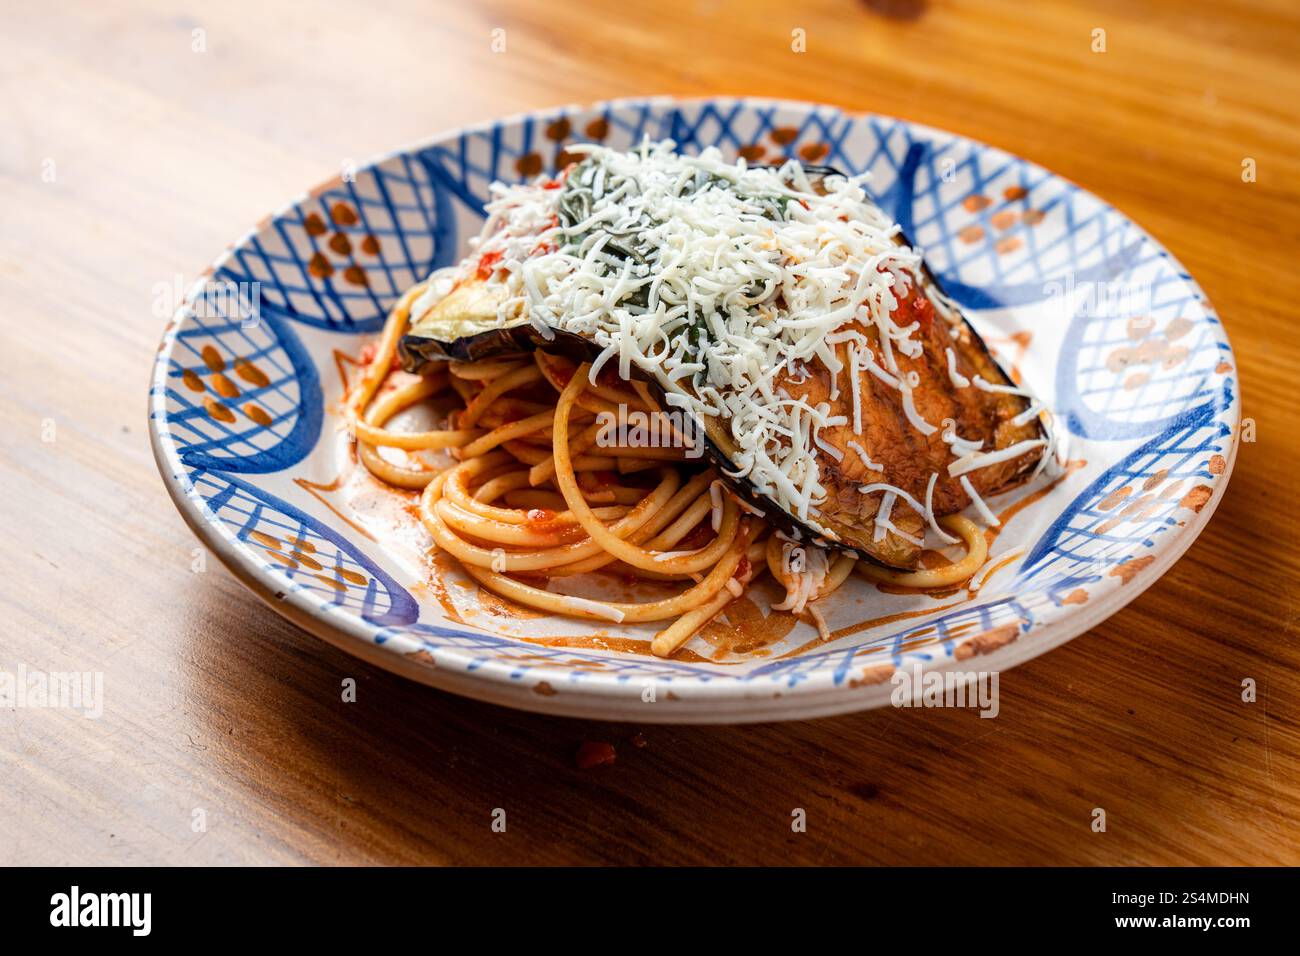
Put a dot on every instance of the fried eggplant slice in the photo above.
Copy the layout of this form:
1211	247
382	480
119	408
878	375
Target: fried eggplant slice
886	446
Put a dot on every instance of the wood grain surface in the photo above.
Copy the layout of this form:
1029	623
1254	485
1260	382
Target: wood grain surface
128	159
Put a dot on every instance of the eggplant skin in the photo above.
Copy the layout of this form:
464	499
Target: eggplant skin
464	327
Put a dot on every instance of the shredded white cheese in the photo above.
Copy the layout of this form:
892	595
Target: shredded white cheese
598	608
961	381
717	277
929	511
989	517
862	454
977	460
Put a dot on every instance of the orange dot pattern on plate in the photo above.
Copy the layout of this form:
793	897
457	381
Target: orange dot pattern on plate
1001	221
356	276
1172	490
306	560
192	380
751	154
314	225
1004	220
1151	350
341	244
370	245
224	386
218	411
1114	498
1157	491
1155	479
813	152
530	164
558	129
299	556
784	135
212	359
343	214
251	374
1196	498
282	559
319	266
597	128
258	414
1129	569
352	577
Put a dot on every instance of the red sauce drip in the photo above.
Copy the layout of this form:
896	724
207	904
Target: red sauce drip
593	753
562	374
922	311
488	264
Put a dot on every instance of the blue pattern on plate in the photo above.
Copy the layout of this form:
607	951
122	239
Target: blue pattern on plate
306	553
290	397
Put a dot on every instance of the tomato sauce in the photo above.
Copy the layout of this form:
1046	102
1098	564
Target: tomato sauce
594	753
488	265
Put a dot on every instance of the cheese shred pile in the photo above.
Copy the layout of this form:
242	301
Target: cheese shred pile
719	280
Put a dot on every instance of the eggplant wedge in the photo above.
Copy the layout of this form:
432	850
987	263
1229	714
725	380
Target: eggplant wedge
873	454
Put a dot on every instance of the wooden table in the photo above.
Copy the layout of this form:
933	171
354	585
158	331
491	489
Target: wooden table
128	159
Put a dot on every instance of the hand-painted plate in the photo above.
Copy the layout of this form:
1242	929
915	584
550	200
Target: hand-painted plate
1089	310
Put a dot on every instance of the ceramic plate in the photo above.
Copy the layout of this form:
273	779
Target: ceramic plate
1092	313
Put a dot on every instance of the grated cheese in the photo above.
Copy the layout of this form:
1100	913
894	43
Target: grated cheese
738	279
989	517
929	511
977	460
866	459
961	381
598	608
